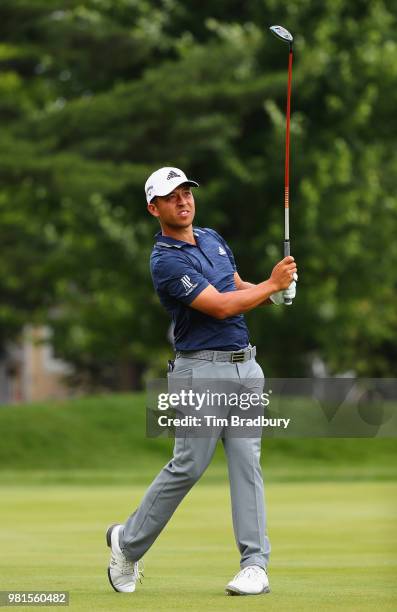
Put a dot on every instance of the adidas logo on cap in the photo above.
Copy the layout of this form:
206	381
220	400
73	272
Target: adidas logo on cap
172	174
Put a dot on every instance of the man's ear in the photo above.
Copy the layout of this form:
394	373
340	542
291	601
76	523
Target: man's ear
152	208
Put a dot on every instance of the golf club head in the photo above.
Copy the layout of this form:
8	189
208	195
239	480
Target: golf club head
282	34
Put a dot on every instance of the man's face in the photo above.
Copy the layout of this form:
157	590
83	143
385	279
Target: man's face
175	209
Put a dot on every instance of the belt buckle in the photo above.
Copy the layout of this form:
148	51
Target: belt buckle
238	356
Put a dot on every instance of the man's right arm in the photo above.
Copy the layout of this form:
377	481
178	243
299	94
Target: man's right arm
223	305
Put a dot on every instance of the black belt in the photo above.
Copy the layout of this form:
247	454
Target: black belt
225	356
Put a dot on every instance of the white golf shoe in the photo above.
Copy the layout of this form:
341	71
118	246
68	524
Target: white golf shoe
252	580
123	574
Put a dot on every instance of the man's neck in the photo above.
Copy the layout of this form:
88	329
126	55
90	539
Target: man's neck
185	234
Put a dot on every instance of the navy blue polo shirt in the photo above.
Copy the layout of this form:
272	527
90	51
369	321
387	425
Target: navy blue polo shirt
180	272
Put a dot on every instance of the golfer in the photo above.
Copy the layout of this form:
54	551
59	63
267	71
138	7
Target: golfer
195	276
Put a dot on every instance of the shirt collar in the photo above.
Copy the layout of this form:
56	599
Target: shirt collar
167	241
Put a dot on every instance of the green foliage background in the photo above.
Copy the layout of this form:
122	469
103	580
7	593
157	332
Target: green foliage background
95	95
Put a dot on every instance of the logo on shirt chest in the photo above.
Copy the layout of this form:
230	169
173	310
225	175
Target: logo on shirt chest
221	251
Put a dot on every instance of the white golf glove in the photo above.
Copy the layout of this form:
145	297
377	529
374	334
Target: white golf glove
278	297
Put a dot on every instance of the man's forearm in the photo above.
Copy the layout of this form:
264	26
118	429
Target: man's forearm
245	299
246	285
246	296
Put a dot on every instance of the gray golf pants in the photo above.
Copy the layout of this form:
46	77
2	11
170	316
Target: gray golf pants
191	457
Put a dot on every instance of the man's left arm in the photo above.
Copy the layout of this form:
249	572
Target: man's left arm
276	298
240	284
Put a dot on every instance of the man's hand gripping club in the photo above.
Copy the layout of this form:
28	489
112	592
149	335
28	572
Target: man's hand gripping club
283	273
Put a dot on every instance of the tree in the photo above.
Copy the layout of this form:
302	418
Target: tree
97	96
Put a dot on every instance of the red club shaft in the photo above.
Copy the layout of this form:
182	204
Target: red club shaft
286	182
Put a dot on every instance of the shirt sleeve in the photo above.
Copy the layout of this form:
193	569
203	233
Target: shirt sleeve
176	276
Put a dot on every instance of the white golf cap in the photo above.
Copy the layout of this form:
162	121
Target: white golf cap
165	180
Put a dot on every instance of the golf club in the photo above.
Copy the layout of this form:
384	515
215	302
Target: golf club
283	34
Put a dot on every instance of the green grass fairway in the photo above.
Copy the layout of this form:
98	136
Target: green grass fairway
69	469
334	547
